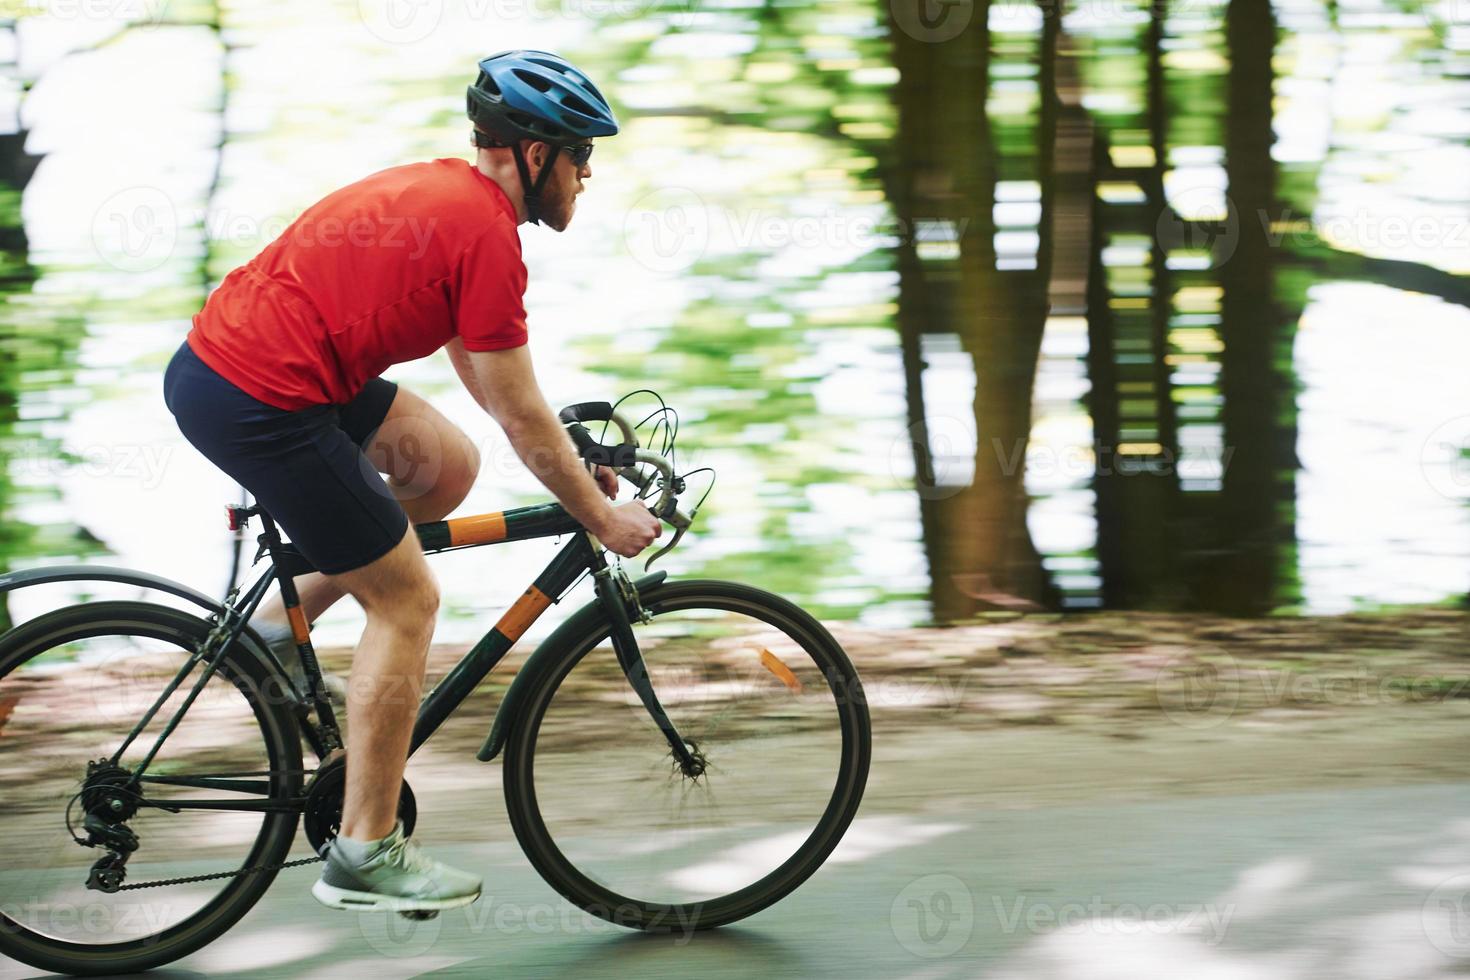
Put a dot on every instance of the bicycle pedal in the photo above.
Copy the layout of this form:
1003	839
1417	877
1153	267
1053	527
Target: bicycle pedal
420	915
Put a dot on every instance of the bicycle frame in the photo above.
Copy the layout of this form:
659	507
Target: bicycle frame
577	557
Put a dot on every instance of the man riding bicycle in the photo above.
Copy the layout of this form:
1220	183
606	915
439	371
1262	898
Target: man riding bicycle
277	384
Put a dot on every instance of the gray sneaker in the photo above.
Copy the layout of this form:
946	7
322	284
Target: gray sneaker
395	876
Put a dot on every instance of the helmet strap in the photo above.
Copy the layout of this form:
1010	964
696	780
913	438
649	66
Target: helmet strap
530	192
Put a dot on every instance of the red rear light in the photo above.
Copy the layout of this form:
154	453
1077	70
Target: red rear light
231	519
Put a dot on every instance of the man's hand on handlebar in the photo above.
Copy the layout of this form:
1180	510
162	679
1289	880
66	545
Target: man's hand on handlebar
629	529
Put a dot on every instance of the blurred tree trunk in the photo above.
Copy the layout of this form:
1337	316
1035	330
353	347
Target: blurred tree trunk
1131	400
945	169
1256	508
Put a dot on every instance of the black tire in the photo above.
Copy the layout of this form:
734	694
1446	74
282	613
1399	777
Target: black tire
260	693
582	634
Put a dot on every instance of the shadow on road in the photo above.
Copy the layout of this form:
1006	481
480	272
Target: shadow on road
729	951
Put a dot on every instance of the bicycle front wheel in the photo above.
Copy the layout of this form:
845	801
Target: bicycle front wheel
766	696
73	684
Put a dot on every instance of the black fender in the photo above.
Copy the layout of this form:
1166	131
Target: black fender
11	581
543	660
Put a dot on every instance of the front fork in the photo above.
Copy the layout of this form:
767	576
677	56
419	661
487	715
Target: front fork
618	598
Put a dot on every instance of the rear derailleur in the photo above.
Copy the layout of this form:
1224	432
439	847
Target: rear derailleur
109	800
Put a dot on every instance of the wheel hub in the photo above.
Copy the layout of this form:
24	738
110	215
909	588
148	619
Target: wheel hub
109	792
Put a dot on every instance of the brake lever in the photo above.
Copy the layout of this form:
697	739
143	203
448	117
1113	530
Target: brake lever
681	522
666	548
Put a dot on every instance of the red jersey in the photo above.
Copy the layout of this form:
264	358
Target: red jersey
385	270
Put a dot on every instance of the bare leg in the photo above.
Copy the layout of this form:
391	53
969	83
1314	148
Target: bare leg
401	598
430	465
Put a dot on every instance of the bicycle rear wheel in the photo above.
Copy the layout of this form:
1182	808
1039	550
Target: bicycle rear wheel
73	684
767	697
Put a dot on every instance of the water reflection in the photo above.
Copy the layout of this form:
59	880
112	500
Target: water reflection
1065	309
1183	432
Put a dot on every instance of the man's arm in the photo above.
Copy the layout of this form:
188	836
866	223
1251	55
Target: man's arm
460	358
504	384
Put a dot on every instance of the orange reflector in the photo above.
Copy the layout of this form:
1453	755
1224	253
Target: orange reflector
299	629
773	663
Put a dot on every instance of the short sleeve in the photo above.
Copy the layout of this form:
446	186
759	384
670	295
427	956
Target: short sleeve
489	291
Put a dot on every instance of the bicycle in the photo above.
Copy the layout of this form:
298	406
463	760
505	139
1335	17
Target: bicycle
721	729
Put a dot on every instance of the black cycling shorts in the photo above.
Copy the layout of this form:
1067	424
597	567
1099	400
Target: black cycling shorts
306	468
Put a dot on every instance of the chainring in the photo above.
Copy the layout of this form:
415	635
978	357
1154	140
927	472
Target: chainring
322	815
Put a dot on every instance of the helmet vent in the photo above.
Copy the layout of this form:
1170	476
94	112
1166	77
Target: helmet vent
535	81
577	105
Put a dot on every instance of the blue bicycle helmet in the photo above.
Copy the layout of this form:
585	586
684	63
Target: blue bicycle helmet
535	95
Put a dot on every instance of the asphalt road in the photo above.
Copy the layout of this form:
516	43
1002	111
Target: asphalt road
1336	851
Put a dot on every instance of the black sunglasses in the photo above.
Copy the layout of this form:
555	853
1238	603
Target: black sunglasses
580	153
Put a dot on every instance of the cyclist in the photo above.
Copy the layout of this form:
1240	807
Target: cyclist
277	384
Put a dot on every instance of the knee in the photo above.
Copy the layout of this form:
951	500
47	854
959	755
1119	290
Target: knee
425	600
420	605
464	476
410	609
452	483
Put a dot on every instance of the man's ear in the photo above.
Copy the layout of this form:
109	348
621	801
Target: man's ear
536	153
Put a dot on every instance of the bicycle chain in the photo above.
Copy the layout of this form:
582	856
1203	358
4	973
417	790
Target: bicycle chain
221	874
243	871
